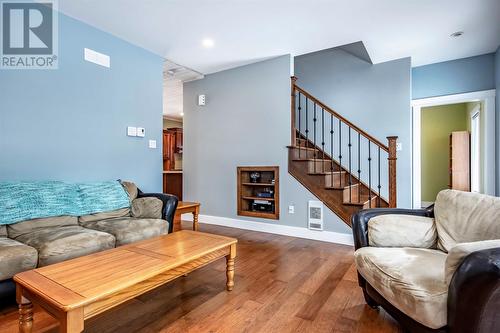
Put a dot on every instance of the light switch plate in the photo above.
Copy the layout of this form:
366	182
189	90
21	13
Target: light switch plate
132	131
399	146
141	131
291	209
152	144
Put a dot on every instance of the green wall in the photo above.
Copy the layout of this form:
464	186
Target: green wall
437	124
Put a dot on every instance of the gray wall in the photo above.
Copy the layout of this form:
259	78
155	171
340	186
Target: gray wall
246	121
374	97
70	123
454	77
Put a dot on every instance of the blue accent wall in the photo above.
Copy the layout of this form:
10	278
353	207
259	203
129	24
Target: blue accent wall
454	77
70	123
376	98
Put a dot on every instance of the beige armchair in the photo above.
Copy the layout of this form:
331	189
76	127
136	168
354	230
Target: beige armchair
434	270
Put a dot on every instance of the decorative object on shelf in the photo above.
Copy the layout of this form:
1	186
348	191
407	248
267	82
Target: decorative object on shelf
255	177
267	192
258	191
262	206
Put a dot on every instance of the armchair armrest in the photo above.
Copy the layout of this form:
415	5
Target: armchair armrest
359	221
474	293
169	206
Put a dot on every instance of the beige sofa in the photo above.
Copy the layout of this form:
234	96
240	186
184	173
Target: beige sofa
40	242
435	270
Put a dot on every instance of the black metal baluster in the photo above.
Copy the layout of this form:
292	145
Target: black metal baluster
350	172
359	165
369	174
323	139
331	147
340	151
307	127
300	132
314	139
379	186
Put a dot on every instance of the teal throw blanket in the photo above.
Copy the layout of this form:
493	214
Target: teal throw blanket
21	201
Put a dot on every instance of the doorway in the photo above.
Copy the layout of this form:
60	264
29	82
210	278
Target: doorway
466	117
174	76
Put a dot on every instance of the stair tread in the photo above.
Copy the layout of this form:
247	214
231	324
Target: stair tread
311	160
303	148
364	200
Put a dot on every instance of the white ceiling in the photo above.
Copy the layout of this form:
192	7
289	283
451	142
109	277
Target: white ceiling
246	31
173	77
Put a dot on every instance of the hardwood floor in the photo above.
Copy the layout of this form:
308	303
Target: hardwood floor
282	284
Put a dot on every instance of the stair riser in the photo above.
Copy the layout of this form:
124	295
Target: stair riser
321	166
304	154
337	177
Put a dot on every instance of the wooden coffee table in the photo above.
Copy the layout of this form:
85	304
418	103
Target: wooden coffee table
78	289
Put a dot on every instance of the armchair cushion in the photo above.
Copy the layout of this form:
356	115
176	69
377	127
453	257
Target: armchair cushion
411	279
458	253
147	207
394	230
463	217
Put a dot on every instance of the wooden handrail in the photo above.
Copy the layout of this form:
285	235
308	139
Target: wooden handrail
295	87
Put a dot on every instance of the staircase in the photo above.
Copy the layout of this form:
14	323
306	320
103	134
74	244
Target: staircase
342	165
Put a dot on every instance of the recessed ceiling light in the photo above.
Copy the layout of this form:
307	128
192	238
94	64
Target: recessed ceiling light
457	34
208	43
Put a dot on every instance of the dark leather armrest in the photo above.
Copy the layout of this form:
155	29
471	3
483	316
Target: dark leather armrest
169	206
359	221
474	293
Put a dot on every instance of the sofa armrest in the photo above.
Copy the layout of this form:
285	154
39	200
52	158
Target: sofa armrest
474	293
359	221
169	206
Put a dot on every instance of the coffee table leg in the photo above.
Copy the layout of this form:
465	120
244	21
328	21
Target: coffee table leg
25	316
195	218
230	267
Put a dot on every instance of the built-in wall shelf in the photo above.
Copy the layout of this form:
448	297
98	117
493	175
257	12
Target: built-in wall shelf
258	191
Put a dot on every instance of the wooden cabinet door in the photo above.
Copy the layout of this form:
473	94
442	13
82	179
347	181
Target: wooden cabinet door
178	139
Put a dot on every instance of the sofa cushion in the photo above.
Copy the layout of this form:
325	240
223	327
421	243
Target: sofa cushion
17	229
15	257
463	217
395	230
458	253
411	279
63	243
147	207
104	215
131	189
3	231
128	229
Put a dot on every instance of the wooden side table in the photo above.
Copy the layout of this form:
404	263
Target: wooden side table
184	207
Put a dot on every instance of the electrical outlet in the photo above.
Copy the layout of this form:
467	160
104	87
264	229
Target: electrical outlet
152	144
399	146
291	209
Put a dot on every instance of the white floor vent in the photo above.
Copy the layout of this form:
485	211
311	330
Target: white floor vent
315	216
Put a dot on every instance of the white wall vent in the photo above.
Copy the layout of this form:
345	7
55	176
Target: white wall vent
315	215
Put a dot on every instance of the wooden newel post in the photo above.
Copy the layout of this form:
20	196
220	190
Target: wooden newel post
292	95
392	171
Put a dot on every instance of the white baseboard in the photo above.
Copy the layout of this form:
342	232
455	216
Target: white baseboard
325	236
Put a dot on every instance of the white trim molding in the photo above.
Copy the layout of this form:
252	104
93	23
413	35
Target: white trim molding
487	98
324	236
